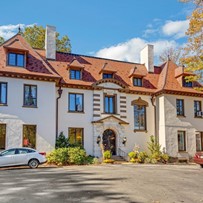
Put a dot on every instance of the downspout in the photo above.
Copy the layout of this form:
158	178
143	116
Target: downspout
153	99
60	91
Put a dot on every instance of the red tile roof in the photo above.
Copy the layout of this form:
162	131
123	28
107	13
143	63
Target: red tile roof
164	77
35	65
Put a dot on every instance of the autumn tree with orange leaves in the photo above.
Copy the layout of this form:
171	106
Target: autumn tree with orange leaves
193	52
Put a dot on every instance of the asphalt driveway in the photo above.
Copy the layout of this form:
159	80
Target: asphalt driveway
108	183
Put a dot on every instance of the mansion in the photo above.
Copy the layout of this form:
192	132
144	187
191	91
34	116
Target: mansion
95	100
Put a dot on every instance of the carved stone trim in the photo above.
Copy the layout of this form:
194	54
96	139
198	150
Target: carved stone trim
139	102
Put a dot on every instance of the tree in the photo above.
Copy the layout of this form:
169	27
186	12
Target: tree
193	52
1	40
36	38
170	53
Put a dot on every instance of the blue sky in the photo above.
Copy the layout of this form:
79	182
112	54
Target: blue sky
109	28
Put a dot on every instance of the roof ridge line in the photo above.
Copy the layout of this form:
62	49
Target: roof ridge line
96	57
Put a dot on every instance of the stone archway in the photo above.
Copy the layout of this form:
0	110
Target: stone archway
109	141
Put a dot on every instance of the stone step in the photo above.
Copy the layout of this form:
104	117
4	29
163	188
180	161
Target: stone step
118	158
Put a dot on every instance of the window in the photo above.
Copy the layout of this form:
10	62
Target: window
107	75
137	82
30	95
139	117
2	136
8	152
181	141
199	142
197	108
75	136
16	59
180	107
29	136
3	93
186	84
75	102
109	104
75	74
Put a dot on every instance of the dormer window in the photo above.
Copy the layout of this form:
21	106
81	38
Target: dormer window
137	82
186	84
75	74
16	59
107	75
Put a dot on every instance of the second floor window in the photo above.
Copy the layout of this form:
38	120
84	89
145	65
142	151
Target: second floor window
137	82
30	95
3	93
75	102
107	75
15	59
197	108
75	74
139	117
109	104
180	107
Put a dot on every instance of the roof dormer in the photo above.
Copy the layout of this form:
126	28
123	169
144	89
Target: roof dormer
75	69
107	71
16	53
181	74
136	75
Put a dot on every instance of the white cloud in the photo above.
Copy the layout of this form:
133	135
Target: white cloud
130	50
175	28
7	31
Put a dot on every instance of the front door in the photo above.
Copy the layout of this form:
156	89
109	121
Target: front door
109	141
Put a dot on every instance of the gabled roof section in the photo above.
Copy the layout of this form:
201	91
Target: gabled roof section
102	120
169	83
75	64
107	68
181	71
35	68
15	44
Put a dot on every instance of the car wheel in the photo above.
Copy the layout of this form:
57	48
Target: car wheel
201	165
33	163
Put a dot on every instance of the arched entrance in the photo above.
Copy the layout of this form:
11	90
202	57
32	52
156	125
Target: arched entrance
109	141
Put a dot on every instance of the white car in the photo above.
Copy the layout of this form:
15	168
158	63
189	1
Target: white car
21	157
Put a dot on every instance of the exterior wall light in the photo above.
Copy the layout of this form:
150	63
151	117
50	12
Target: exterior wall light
98	139
124	140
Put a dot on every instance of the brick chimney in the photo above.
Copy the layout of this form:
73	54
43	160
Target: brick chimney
147	57
50	42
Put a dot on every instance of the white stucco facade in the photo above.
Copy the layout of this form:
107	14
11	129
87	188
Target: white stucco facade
14	115
169	124
94	111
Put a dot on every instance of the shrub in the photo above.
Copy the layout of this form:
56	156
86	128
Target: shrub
132	155
62	141
95	161
154	161
58	156
164	158
70	155
76	155
108	161
147	160
154	146
142	156
107	154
